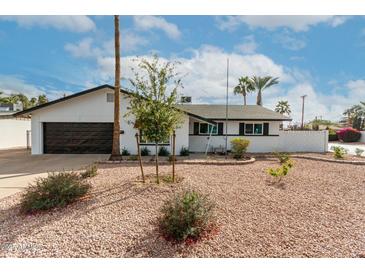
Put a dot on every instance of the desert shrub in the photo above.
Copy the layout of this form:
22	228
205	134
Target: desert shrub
349	134
338	152
125	152
332	135
56	190
188	215
281	171
91	171
283	157
359	151
163	151
145	151
184	151
239	147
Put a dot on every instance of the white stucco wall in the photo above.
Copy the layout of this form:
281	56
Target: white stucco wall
233	126
287	141
13	133
93	107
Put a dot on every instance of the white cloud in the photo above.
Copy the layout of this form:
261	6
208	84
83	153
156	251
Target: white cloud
204	78
357	89
248	46
289	41
328	106
86	48
14	84
155	22
272	22
82	49
61	22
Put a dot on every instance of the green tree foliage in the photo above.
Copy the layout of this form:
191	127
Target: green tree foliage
355	116
245	86
261	83
281	171
153	106
239	147
283	107
15	98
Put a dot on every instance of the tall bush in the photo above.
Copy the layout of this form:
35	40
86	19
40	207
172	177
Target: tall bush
239	147
349	134
332	135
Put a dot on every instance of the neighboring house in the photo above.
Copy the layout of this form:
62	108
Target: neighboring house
83	123
8	107
14	132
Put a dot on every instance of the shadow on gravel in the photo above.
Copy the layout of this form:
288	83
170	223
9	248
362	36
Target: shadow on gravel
15	224
153	245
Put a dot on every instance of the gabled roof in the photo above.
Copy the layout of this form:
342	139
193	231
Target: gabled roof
235	112
28	111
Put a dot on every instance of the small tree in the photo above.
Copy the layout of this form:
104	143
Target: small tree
153	106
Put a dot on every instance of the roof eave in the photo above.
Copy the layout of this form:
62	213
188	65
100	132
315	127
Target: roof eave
30	110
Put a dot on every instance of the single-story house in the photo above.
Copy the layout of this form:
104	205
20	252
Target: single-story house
83	123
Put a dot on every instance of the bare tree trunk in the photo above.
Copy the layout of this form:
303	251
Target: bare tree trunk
244	100
259	98
156	157
173	156
139	157
116	128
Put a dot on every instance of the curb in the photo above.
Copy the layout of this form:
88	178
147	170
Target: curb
329	160
186	162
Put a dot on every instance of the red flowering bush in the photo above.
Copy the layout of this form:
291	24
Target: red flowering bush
348	134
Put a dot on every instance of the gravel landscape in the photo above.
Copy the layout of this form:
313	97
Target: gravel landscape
317	211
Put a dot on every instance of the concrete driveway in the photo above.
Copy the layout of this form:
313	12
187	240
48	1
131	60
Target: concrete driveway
18	168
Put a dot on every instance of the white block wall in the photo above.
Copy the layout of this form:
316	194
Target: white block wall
303	141
287	141
13	133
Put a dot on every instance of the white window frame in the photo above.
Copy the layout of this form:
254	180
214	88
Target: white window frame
208	133
253	129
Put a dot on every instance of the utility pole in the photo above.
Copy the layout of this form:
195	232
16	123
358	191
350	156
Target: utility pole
226	149
303	97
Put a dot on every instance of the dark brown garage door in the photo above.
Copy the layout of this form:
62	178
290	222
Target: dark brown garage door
77	138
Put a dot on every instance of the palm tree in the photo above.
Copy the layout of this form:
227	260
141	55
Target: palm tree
283	107
245	86
356	115
116	129
262	83
42	99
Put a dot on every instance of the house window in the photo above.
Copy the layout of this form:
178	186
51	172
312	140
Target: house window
110	97
205	128
254	129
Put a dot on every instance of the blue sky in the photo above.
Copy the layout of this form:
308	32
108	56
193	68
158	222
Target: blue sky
321	56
